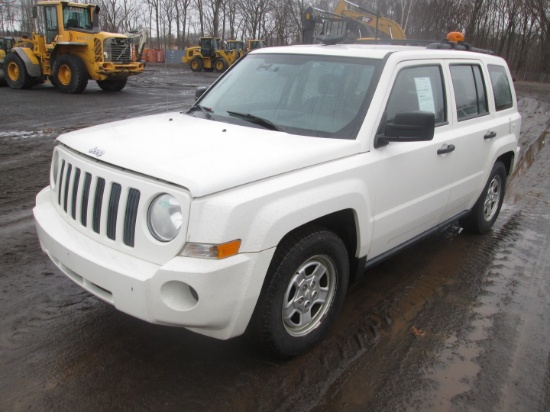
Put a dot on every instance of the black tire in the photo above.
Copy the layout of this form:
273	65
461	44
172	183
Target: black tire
112	85
196	64
220	64
483	215
288	320
15	72
70	74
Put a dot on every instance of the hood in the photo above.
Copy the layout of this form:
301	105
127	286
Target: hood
202	155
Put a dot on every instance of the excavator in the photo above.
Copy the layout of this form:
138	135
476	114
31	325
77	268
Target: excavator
68	48
348	23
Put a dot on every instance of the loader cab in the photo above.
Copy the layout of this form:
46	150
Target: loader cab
209	45
237	45
6	43
79	18
54	18
254	44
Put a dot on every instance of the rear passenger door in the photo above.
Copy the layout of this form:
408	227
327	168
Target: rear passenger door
475	130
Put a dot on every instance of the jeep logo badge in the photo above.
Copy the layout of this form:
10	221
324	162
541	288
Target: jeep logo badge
96	151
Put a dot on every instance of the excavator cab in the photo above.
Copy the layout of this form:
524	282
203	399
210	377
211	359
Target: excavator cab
348	23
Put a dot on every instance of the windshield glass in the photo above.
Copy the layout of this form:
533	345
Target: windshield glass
76	18
325	96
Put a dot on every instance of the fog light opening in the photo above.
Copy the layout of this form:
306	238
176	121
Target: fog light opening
179	295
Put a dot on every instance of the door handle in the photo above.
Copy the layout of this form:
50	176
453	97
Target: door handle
447	148
490	135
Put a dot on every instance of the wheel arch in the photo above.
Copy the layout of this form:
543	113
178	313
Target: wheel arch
508	159
29	59
345	225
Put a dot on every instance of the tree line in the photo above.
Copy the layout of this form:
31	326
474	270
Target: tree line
518	30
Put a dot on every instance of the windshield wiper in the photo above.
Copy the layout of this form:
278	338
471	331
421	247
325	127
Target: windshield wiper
256	120
204	111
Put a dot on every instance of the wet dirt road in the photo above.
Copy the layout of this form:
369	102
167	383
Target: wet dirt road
458	322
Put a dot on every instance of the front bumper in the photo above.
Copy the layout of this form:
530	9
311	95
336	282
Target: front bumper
212	297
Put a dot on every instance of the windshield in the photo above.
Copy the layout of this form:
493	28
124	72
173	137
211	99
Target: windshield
325	96
76	18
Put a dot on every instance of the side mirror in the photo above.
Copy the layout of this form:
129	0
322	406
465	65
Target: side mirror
414	126
200	91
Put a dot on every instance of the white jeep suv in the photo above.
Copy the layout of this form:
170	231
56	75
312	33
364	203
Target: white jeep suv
292	173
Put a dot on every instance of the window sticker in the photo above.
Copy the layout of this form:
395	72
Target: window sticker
425	94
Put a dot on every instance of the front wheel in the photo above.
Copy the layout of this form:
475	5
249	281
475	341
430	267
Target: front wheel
483	215
70	74
112	85
303	292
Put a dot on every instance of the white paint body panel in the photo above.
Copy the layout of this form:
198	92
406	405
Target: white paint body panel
256	185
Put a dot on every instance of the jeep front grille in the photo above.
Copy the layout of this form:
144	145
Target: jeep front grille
80	195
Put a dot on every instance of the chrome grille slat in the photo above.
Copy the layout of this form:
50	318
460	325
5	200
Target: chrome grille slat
130	217
98	200
87	197
67	184
113	210
75	192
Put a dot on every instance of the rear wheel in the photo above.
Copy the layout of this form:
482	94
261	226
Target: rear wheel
70	74
483	215
16	74
196	64
220	64
112	85
303	292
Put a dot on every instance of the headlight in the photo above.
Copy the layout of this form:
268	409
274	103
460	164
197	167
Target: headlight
107	50
164	218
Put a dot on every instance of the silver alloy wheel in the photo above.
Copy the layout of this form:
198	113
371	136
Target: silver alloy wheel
309	295
491	203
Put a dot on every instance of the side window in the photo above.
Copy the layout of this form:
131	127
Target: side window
51	23
418	88
470	93
501	87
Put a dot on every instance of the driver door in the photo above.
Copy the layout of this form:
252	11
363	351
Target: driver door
413	179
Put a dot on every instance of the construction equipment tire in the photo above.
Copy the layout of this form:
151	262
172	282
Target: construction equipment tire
15	72
220	64
196	64
70	74
112	85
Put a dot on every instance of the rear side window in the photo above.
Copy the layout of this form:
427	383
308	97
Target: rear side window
418	88
469	88
501	87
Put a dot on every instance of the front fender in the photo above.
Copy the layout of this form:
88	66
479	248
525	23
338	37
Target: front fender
29	59
262	213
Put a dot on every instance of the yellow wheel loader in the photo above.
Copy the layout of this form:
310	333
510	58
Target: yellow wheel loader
6	44
209	56
68	48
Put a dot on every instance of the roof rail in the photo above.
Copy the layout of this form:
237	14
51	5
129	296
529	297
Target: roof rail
429	44
446	44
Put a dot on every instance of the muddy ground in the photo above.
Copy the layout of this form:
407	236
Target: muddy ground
458	322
